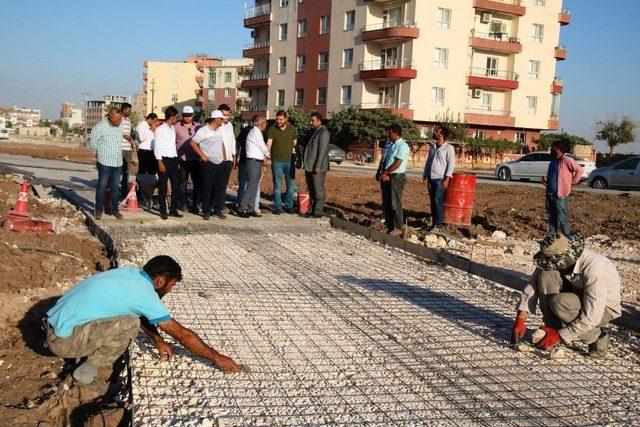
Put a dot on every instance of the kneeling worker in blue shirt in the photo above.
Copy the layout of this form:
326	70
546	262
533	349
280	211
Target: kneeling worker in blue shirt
101	316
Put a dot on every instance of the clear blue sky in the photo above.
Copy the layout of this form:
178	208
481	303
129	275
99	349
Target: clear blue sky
53	50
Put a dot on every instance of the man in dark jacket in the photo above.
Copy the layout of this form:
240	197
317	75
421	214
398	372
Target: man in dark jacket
316	164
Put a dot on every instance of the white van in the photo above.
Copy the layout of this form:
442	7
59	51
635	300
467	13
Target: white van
4	133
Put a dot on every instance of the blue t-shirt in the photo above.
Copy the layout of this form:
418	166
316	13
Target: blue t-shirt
397	150
552	177
125	291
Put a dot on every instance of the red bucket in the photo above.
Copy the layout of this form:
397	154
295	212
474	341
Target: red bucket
303	202
459	198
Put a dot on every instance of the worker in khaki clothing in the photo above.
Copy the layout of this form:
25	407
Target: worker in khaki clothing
578	292
101	316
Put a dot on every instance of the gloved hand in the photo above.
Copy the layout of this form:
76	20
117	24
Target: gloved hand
551	339
519	329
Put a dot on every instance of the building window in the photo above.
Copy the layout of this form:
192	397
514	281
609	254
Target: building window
284	3
174	85
345	98
321	96
486	101
444	18
299	97
392	18
437	97
174	97
538	2
441	58
479	134
534	69
323	60
284	30
532	104
174	71
228	92
227	77
212	95
349	20
521	138
212	78
538	33
347	58
282	65
301	63
324	25
302	28
280	98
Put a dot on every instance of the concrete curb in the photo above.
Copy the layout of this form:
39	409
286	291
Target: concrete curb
630	315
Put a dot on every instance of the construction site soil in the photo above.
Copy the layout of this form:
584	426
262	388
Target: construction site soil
68	152
36	268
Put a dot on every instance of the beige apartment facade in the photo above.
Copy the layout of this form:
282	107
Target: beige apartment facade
491	63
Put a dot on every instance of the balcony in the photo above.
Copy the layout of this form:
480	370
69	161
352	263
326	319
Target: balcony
507	7
564	18
485	117
256	49
396	31
561	53
255	80
398	108
200	80
492	79
554	123
557	86
145	76
145	64
388	70
144	88
495	42
248	111
257	16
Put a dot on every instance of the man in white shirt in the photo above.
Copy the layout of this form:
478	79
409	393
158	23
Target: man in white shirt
127	146
208	145
146	160
167	157
257	152
229	139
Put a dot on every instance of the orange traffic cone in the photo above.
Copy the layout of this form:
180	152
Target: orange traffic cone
22	205
131	200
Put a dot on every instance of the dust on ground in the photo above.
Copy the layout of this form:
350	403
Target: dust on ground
36	268
42	150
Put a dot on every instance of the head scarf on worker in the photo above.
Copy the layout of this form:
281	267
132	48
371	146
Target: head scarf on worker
559	252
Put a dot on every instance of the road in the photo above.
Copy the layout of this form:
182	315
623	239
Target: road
483	176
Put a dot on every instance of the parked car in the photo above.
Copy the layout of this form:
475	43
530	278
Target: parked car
336	154
534	166
4	133
624	174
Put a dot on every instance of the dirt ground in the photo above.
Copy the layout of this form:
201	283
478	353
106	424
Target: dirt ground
35	386
70	153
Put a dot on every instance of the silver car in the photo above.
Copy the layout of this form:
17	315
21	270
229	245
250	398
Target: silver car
534	166
624	174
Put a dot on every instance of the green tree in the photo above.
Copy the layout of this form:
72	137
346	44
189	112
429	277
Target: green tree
546	140
9	125
616	132
299	117
135	119
456	126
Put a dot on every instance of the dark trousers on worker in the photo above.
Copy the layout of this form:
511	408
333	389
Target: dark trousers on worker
392	201
171	174
108	176
254	174
436	197
315	185
147	163
191	169
214	186
558	211
127	156
561	303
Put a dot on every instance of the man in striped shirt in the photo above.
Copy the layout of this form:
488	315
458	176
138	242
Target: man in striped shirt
127	146
105	140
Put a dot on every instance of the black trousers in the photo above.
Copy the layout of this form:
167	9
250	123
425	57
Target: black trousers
147	163
214	185
172	174
191	168
315	185
392	201
127	155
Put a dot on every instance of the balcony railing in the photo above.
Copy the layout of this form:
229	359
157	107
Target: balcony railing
503	37
257	77
489	111
493	74
253	12
387	64
390	24
386	105
489	117
257	45
558	81
253	108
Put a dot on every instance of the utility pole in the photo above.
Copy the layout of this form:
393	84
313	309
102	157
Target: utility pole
153	92
86	103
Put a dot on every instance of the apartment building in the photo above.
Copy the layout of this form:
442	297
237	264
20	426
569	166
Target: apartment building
96	109
23	117
199	81
489	62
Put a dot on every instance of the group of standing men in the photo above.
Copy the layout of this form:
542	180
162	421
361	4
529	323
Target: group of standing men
179	149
